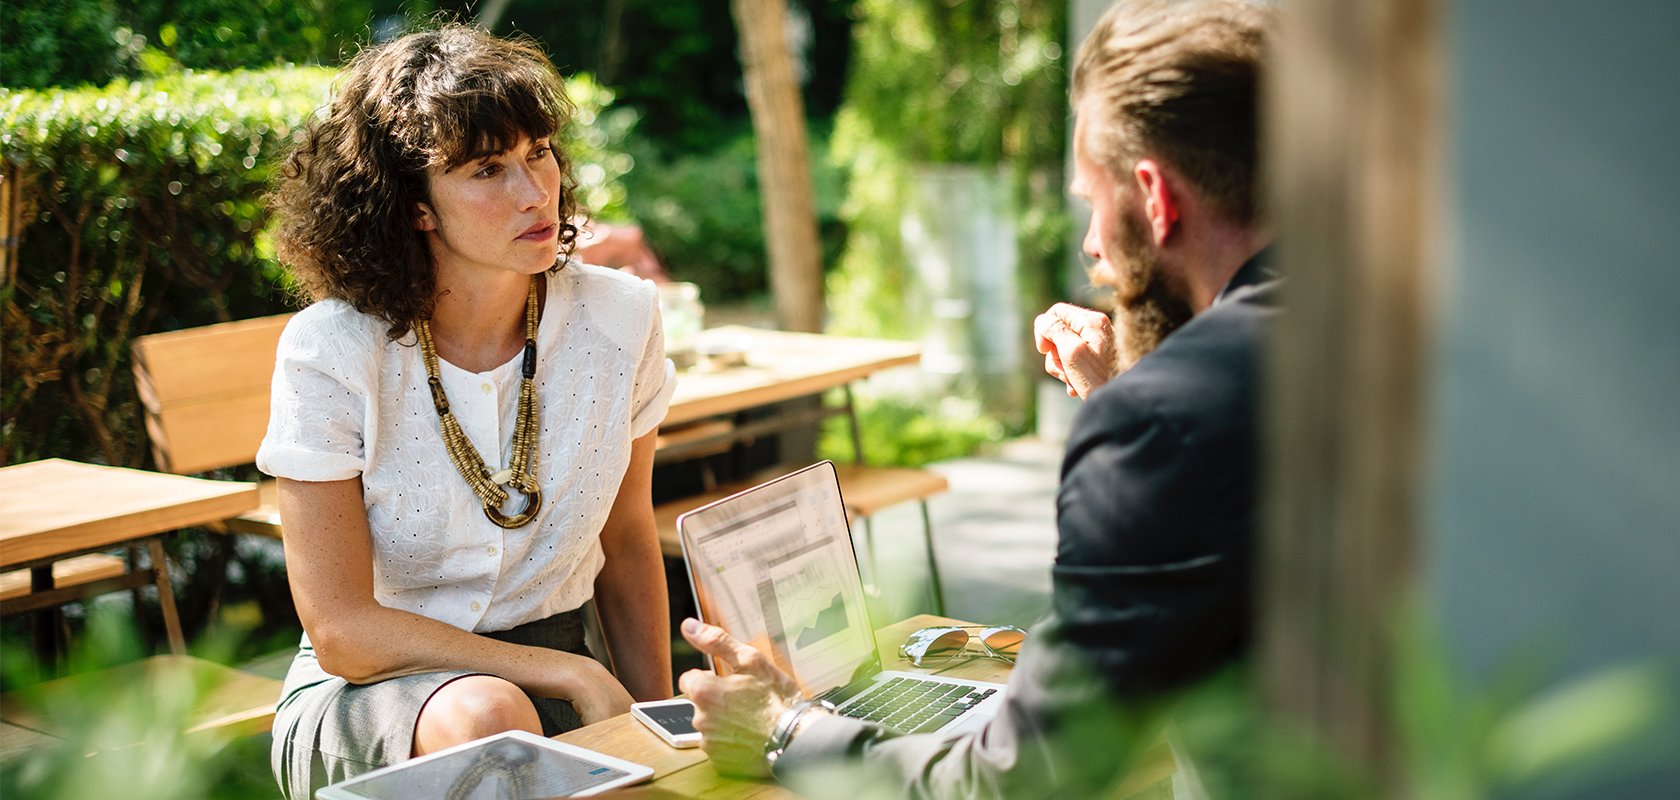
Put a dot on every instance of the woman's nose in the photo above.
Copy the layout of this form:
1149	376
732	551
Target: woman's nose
531	191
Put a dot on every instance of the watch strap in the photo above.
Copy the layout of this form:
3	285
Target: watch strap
786	724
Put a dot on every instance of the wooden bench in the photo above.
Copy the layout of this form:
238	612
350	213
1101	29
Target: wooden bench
77	571
205	393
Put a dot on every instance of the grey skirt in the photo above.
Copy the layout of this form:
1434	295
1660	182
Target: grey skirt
327	730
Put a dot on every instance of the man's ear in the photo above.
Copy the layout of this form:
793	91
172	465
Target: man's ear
1160	201
424	218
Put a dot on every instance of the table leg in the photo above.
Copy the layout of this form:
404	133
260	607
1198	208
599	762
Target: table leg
49	639
869	550
166	598
857	432
933	563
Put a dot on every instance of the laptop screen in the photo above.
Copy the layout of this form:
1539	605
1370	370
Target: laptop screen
774	566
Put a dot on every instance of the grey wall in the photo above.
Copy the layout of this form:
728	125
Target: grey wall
1555	522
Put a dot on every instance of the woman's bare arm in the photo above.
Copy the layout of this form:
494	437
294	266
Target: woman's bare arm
630	591
329	559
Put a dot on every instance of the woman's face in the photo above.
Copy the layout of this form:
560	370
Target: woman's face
500	212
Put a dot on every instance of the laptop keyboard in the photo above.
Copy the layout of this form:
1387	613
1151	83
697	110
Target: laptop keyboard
916	706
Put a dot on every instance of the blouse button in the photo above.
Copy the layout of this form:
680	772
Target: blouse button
475	606
491	550
486	388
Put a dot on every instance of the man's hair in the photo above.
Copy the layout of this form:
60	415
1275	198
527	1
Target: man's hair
347	195
1178	81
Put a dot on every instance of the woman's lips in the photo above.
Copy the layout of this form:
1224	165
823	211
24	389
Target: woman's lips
541	231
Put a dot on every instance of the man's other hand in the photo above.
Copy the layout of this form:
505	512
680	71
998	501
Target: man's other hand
1078	347
735	713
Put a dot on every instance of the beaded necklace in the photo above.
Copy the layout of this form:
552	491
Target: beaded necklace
521	469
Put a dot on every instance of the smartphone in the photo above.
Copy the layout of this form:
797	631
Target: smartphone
673	720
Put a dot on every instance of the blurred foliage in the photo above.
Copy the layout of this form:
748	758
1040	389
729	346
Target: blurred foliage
976	82
961	81
123	740
46	43
234	34
58	43
702	213
1511	733
677	63
903	432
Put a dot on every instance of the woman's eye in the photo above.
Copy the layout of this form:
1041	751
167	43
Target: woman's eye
539	152
488	171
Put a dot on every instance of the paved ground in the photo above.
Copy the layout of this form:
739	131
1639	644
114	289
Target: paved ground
994	533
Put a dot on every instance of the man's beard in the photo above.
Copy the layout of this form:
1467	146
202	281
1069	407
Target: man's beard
1149	302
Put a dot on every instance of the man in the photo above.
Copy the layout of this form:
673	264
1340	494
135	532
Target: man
1156	508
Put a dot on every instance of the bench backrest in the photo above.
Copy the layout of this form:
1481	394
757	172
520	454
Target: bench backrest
205	392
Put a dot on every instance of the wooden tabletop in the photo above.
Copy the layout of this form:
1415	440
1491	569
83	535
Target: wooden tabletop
56	507
779	366
628	739
685	773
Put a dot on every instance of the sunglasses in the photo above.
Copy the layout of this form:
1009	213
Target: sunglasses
939	645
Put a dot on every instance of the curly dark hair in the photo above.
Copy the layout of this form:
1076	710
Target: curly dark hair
348	193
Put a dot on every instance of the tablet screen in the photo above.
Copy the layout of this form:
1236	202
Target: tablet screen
514	764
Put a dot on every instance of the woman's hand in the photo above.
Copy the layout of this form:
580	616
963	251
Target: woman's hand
597	695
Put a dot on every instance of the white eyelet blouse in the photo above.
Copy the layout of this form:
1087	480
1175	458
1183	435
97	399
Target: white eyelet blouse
348	401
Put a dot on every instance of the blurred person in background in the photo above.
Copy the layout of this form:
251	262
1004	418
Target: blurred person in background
462	422
623	246
1156	507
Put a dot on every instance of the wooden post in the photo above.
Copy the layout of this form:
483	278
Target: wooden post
11	223
1353	130
784	169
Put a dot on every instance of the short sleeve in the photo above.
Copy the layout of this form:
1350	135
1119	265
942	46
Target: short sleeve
656	377
319	401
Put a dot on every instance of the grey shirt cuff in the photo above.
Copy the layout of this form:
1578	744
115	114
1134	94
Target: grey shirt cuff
827	739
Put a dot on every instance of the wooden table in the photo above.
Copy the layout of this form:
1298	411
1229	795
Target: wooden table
685	773
57	509
780	366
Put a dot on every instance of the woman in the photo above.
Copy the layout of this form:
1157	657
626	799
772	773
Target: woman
462	423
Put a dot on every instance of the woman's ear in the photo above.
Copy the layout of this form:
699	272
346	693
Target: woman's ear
424	218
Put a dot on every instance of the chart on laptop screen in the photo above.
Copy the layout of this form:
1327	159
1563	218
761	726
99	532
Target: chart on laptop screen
775	567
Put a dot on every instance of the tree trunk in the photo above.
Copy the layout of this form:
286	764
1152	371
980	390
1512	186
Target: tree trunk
784	169
1354	133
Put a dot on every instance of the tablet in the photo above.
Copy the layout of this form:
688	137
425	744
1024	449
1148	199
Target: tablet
512	764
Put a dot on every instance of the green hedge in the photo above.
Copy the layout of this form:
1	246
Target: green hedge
139	209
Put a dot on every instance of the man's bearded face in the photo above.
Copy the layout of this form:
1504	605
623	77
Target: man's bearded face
1149	301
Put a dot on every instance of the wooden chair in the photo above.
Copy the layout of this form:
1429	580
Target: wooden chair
205	393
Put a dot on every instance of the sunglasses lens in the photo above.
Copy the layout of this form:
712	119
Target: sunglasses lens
944	646
1004	641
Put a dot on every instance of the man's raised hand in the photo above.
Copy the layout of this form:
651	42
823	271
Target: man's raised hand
1078	347
735	713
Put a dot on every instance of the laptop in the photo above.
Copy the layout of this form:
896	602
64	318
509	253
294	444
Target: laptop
774	566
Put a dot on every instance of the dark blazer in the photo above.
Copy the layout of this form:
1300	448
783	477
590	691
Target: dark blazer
1150	590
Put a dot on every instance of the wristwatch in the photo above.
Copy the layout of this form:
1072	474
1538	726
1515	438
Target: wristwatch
786	724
